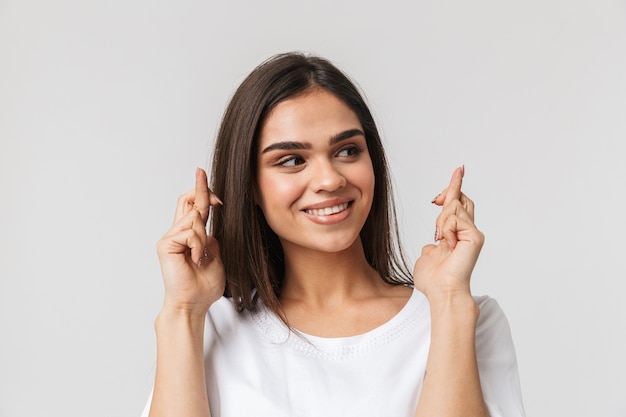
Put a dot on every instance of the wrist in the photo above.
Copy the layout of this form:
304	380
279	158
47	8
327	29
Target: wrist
172	313
175	306
459	304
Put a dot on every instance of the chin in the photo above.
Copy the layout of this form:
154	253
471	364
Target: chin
329	246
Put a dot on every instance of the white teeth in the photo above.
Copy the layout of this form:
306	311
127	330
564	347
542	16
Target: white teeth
328	210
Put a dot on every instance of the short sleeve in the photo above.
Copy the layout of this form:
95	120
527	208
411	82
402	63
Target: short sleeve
497	362
146	408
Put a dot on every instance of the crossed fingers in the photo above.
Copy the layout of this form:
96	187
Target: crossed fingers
457	212
201	199
192	213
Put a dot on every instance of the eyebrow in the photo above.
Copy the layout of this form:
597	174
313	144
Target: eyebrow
295	145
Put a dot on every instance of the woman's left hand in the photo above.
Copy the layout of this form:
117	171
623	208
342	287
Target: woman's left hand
446	267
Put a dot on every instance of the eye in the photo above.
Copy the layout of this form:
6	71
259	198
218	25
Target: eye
291	161
350	151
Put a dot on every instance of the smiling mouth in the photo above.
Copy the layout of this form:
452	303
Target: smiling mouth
328	210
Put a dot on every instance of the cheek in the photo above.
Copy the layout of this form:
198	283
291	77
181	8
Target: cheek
364	177
276	191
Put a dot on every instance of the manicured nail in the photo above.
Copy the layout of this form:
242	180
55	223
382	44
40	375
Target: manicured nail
463	170
435	199
436	234
219	200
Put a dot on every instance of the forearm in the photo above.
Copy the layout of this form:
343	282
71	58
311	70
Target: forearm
180	383
452	386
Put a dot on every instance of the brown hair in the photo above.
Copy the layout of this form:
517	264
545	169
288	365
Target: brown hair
250	250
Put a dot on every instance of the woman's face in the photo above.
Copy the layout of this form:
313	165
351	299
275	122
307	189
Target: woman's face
315	175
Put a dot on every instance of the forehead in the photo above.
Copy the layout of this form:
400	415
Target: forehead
314	115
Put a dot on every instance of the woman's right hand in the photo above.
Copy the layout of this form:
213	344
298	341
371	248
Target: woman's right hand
190	261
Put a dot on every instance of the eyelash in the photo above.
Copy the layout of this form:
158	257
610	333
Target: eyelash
291	158
353	152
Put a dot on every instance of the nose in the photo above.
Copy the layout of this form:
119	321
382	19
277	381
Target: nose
326	177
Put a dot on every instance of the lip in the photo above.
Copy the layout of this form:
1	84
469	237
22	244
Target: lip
331	202
324	217
327	203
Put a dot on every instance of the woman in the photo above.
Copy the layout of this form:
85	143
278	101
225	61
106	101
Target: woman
299	303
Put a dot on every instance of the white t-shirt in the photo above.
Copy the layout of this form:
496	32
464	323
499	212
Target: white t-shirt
255	366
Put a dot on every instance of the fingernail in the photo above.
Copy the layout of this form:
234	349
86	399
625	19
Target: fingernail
200	263
463	170
435	199
436	234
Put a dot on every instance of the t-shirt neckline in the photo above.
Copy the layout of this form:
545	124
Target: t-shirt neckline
276	332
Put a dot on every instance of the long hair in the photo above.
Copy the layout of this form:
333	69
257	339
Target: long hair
251	252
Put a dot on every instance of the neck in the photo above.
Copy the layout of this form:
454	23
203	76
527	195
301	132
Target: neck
322	278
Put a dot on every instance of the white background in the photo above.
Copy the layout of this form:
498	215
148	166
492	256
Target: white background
107	107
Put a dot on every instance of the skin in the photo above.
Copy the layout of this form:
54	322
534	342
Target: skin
306	162
329	166
194	279
443	274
